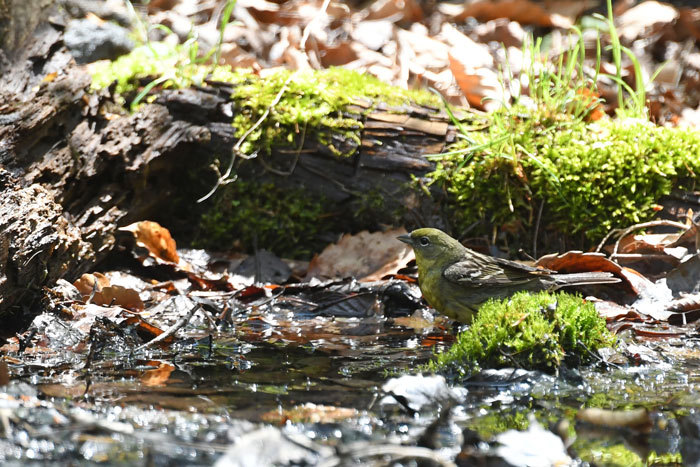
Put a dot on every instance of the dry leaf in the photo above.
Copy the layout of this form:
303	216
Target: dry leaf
116	295
366	255
472	65
50	77
645	19
373	34
577	261
158	376
396	10
156	239
84	316
636	419
503	31
480	86
478	54
425	53
107	294
4	373
89	282
522	11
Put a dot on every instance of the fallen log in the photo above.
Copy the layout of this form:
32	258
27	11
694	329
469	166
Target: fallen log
74	167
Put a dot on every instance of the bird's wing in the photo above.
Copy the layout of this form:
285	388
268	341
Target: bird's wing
477	270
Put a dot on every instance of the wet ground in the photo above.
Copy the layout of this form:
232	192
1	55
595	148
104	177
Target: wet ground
274	379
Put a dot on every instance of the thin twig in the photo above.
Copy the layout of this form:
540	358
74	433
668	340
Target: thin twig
222	180
297	154
624	232
645	225
537	229
597	357
605	239
307	29
236	150
171	330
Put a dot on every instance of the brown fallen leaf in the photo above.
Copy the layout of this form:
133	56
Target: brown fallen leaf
121	296
480	85
472	66
4	373
89	282
157	376
577	261
522	11
397	10
155	238
503	31
309	413
645	19
106	294
369	256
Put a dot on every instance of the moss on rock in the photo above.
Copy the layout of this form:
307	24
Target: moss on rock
532	331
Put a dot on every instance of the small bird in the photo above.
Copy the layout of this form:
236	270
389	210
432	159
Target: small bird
456	281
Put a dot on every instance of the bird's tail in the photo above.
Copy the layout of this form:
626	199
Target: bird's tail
584	278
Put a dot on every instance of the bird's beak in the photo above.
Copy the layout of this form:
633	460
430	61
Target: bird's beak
406	239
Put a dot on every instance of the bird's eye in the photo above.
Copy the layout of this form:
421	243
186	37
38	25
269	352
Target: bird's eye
424	241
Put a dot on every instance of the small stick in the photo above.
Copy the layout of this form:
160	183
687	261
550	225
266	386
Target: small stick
171	330
537	229
645	225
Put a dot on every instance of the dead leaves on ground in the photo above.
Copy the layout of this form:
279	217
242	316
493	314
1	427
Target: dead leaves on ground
156	240
96	288
459	49
121	307
360	277
367	256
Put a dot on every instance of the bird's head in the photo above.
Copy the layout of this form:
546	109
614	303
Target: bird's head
433	246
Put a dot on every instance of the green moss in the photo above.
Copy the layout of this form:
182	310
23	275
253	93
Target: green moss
314	105
534	331
313	101
375	208
285	221
591	176
667	459
496	422
598	453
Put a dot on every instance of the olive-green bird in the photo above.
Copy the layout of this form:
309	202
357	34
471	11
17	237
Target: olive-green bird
456	280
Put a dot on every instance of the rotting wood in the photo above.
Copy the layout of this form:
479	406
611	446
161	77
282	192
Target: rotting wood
98	168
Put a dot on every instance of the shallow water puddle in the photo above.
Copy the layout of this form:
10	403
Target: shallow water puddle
320	380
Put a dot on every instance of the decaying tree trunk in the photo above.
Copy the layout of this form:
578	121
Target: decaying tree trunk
72	172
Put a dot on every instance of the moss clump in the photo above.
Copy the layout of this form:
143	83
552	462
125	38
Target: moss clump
314	101
601	453
493	423
533	331
314	104
591	176
283	220
144	61
170	66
